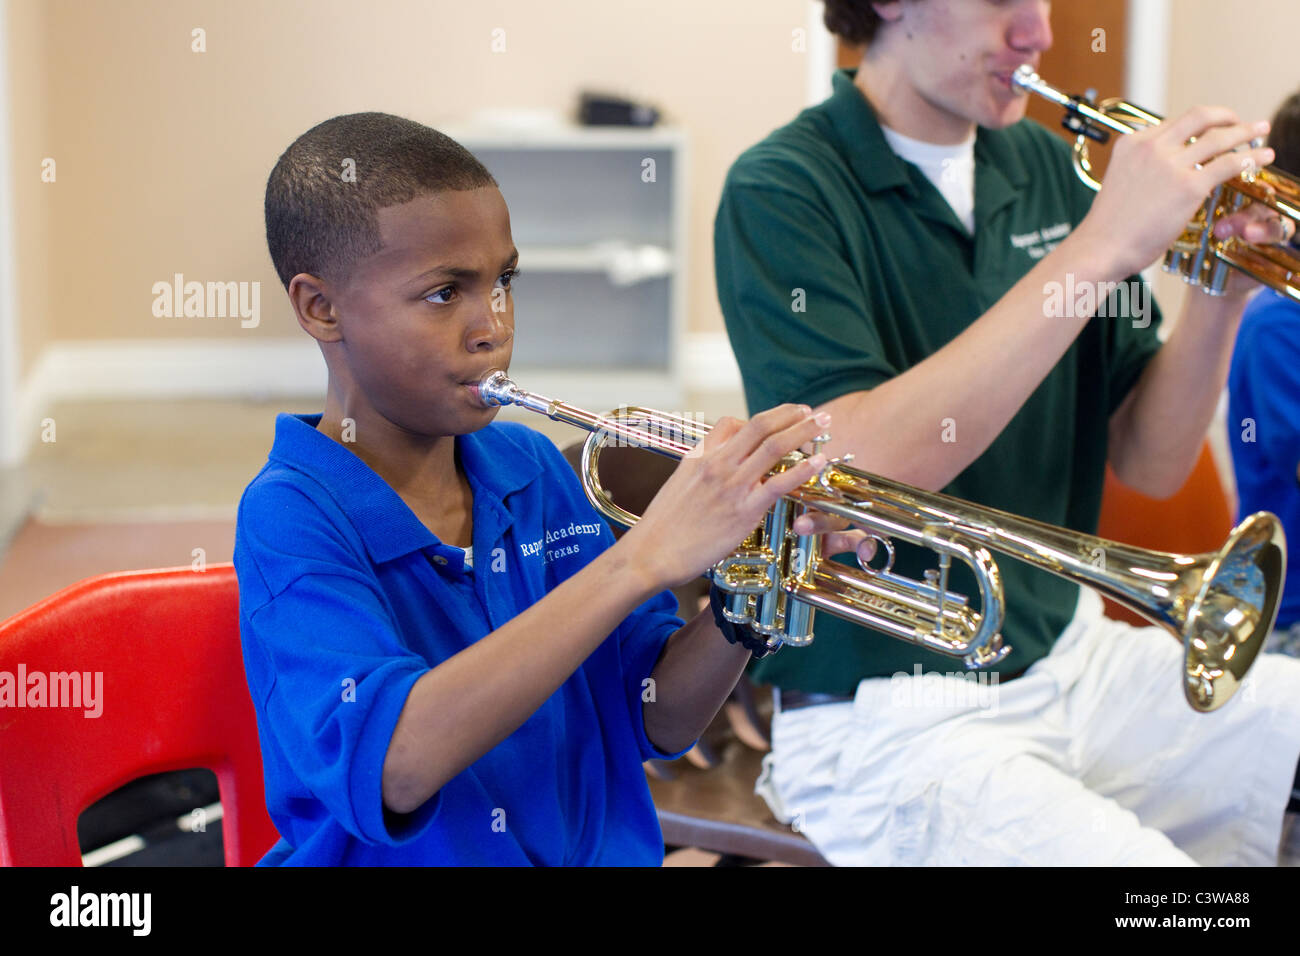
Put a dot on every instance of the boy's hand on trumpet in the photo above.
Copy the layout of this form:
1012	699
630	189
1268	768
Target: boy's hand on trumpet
722	490
1159	177
838	535
1253	223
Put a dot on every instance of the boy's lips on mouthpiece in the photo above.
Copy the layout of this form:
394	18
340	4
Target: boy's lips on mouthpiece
473	384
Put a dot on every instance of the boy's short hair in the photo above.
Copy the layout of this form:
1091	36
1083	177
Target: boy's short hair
325	192
1284	135
853	21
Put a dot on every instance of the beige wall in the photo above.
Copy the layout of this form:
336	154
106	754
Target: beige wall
163	153
1203	67
26	59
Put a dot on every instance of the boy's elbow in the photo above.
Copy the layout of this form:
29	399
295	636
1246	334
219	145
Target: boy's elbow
1158	480
670	744
396	794
402	791
398	803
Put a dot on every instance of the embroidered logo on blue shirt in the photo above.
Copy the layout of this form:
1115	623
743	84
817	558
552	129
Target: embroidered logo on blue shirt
574	530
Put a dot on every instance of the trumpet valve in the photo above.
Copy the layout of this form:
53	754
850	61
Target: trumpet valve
802	557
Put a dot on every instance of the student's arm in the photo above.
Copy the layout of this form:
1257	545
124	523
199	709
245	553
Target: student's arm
983	376
692	680
1157	433
463	707
699	668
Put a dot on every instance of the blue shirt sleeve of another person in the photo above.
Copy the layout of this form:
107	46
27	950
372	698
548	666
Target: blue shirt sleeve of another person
346	599
1264	423
1264	381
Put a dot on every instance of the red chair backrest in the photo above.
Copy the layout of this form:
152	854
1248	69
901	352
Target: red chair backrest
1195	519
173	697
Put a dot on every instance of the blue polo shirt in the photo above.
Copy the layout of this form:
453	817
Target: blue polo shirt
1264	423
346	599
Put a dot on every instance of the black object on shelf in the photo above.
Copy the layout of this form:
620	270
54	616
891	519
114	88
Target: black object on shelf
599	109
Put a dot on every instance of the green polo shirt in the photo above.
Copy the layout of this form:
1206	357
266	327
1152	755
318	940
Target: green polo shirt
839	266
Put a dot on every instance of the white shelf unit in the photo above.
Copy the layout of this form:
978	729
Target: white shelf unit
600	307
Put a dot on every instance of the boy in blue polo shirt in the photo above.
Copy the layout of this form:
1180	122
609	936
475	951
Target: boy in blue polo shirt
450	659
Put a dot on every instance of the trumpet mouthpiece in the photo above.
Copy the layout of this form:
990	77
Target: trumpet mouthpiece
494	388
1023	77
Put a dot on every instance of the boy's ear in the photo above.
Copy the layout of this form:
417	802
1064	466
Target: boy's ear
311	304
889	12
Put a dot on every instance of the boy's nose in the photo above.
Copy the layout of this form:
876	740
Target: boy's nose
1031	29
491	331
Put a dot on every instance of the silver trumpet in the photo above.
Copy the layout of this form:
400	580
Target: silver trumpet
1220	605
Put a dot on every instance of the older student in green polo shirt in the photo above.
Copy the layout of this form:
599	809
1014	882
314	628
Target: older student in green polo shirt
900	255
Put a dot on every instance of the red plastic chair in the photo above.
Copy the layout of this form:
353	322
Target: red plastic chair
173	697
1196	518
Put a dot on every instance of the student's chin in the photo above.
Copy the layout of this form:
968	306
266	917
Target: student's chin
480	419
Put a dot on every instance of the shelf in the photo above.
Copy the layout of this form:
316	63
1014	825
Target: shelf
565	136
599	216
623	263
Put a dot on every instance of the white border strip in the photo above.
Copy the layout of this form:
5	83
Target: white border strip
1146	72
821	54
1147	57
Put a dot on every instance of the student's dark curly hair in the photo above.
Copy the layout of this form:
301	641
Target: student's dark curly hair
325	192
853	21
1284	136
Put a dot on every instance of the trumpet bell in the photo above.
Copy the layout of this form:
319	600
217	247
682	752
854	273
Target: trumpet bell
1233	609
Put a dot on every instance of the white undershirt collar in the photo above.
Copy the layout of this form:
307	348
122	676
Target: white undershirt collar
950	168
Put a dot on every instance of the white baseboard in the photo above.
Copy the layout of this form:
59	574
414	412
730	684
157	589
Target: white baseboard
160	369
171	368
270	368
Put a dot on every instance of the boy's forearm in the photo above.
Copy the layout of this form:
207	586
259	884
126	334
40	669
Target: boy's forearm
692	679
926	425
1157	433
462	708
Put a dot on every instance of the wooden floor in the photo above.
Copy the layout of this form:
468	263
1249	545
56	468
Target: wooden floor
129	485
44	558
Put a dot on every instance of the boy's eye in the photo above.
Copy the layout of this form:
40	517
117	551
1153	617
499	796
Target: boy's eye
445	295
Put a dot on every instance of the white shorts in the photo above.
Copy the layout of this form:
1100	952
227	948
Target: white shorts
1092	757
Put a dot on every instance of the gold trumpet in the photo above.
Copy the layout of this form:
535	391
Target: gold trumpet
1197	256
1220	605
